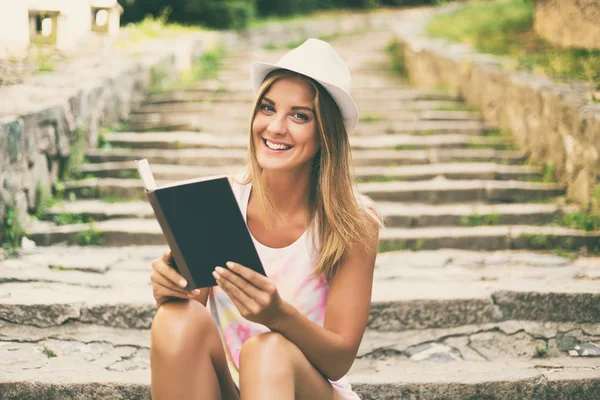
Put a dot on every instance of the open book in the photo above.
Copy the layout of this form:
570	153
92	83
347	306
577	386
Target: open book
203	225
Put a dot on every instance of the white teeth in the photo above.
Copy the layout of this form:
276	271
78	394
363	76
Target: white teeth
277	146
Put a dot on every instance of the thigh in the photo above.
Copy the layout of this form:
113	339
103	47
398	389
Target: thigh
263	351
186	327
310	384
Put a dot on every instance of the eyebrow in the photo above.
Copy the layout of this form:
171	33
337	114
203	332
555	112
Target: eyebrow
268	100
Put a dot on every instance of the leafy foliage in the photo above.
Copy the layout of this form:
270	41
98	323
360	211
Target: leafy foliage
506	28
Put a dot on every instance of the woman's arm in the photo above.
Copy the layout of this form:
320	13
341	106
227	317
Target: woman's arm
331	348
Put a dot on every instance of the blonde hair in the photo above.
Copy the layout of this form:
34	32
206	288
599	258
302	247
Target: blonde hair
343	215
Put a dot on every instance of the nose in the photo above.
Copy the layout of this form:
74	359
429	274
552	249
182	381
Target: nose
277	125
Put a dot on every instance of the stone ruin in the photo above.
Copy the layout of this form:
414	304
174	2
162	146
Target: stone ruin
59	23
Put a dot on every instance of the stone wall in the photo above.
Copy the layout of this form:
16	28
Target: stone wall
569	23
40	118
553	123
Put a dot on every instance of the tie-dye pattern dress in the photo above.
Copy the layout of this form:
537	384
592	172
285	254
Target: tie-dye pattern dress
290	267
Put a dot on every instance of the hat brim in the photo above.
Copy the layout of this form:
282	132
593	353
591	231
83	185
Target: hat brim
347	106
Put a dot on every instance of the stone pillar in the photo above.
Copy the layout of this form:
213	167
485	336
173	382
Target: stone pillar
569	23
73	21
14	28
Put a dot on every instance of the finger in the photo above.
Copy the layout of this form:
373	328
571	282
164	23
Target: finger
163	291
258	280
157	277
169	273
239	281
241	300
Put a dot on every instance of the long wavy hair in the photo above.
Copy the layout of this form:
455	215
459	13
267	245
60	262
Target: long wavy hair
342	214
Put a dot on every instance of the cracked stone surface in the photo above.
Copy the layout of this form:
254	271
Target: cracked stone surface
444	323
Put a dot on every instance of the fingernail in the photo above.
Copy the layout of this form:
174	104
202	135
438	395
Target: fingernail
196	291
182	283
217	277
219	270
230	264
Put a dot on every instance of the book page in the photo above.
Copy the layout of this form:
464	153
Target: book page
145	172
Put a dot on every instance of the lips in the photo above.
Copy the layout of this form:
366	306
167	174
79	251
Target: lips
276	142
276	146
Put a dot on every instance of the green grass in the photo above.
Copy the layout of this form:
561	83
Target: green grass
568	254
90	237
76	155
129	174
455	106
395	51
13	232
492	133
480	220
152	28
505	28
541	351
48	352
206	66
295	43
584	219
371	118
71	218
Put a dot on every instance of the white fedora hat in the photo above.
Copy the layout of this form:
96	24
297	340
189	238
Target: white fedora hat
317	60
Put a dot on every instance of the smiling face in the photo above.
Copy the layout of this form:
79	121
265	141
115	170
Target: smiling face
284	130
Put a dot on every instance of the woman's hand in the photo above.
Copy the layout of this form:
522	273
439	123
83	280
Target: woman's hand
254	295
167	284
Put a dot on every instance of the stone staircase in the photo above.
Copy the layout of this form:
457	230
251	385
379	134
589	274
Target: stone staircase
476	292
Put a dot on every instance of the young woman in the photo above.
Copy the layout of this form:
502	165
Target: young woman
295	333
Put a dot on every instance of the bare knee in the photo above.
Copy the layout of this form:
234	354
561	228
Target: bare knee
180	328
270	353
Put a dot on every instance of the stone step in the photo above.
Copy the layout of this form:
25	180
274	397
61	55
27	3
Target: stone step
427	215
395	214
367	95
412	290
433	191
457	191
136	231
244	109
224	126
490	238
180	140
214	157
156	114
493	360
487	171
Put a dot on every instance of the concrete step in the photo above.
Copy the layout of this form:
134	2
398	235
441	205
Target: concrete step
196	123
395	214
490	238
412	290
243	109
136	231
493	360
427	215
488	171
157	114
214	157
247	96
432	191
181	140
457	191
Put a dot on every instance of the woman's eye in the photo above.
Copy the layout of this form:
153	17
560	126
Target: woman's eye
267	107
301	116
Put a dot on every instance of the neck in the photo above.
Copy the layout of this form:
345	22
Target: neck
288	191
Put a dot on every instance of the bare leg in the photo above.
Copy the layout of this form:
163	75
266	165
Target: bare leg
272	367
187	359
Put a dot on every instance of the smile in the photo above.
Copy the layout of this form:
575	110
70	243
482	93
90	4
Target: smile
274	146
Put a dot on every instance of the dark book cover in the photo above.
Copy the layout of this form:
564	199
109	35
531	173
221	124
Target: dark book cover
204	227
